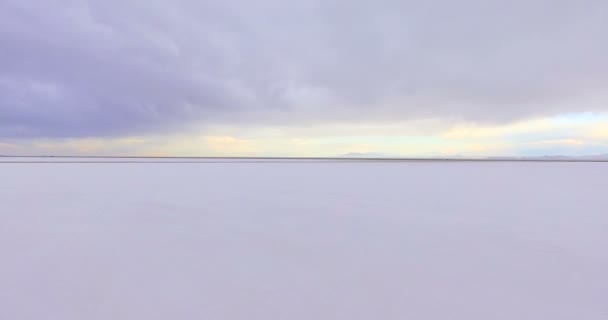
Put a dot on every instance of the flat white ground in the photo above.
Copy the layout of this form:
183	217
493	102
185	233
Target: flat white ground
304	240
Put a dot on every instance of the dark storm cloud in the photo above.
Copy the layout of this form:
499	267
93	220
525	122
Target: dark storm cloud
84	68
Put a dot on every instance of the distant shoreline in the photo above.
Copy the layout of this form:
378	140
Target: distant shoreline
134	159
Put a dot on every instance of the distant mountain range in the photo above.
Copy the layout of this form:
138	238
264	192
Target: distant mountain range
555	158
372	155
369	155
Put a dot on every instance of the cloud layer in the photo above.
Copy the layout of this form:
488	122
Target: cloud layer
110	68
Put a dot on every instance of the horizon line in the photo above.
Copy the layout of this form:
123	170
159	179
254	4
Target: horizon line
285	158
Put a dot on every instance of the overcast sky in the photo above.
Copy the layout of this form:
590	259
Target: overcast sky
319	78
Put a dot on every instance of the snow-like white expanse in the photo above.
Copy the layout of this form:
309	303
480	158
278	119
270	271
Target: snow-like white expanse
304	240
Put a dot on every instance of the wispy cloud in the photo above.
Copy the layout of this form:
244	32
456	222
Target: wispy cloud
532	137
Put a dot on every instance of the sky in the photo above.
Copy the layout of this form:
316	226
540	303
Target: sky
304	78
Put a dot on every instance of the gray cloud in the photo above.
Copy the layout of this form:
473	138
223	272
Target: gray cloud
102	68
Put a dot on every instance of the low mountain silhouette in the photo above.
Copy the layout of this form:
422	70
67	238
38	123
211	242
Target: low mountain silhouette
369	155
